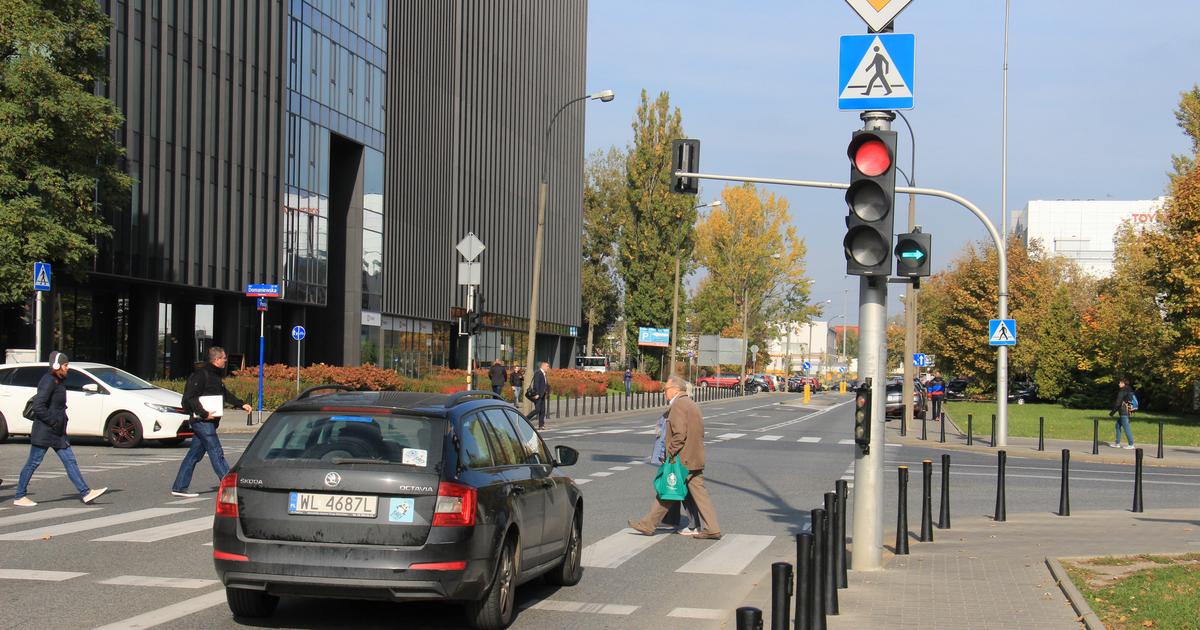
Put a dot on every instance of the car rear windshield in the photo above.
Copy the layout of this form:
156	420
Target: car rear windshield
349	438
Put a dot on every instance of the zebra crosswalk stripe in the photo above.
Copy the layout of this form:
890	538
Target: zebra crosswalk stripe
770	438
166	582
43	576
698	613
729	556
615	550
42	515
809	440
91	523
162	532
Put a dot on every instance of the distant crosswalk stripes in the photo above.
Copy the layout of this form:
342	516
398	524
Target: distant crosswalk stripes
615	550
43	515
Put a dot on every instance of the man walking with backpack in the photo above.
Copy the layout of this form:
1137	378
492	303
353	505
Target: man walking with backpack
1125	404
204	396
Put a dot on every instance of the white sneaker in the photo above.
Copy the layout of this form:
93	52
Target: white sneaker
186	495
1115	444
94	494
1128	447
24	502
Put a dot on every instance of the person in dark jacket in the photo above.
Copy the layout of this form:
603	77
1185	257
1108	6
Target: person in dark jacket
937	394
517	380
498	376
538	391
204	396
50	432
1123	406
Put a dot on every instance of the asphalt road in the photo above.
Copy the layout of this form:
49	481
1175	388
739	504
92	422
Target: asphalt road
141	558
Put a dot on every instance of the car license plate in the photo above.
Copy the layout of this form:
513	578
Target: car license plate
356	505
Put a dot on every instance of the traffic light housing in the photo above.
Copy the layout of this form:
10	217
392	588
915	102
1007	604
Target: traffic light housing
685	156
912	254
474	322
862	415
870	201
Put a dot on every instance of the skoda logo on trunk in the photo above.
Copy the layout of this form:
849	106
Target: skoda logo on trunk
332	479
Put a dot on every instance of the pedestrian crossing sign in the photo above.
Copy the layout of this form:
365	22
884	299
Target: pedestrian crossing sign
41	276
875	71
1002	332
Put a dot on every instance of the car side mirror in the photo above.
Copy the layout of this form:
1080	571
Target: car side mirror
91	388
565	455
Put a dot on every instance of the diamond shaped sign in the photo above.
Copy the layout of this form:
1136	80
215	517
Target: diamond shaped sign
470	247
877	13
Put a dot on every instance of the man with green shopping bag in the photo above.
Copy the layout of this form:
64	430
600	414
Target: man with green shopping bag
685	444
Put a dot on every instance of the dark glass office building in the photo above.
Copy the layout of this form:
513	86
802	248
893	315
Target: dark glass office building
340	149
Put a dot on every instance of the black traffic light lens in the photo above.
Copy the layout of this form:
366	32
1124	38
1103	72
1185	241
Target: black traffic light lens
867	200
859	433
865	246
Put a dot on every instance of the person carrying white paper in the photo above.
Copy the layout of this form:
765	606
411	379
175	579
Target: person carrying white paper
204	396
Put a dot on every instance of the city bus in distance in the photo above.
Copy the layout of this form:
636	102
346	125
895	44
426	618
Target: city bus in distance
591	364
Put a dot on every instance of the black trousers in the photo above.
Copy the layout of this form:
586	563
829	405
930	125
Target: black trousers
936	402
539	411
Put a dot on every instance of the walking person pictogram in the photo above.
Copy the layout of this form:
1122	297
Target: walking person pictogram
881	67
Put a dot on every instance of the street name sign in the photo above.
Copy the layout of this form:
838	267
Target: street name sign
877	13
876	71
1002	332
41	276
262	290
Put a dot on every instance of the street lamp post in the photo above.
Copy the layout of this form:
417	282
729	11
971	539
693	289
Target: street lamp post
675	298
910	305
539	234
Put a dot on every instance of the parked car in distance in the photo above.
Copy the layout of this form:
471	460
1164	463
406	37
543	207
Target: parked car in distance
102	401
1022	392
956	388
895	391
718	380
755	383
397	496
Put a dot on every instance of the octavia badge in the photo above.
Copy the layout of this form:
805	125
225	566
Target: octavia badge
333	479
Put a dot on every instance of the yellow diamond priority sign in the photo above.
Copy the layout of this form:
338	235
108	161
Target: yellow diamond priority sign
877	13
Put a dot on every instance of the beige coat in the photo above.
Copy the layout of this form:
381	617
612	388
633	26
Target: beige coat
685	433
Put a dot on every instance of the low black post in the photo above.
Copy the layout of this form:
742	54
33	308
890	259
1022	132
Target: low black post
926	500
970	431
557	407
902	514
749	618
944	510
1001	511
816	566
993	442
829	564
1064	492
249	418
576	405
1095	436
942	435
1160	439
606	397
1041	433
781	595
1137	481
641	400
841	487
924	428
803	581
903	424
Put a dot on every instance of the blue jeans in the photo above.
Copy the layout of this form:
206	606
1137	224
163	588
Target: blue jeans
204	441
36	453
1123	423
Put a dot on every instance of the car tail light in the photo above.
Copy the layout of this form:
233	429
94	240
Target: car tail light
439	566
236	557
455	506
227	499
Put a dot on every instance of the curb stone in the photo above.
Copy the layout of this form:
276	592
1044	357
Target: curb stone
1088	616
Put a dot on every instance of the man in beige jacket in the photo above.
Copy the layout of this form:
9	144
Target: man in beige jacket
685	438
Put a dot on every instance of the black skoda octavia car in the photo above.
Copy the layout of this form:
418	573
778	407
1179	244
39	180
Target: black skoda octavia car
397	496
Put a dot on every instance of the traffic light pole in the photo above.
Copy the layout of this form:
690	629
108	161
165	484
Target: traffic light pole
470	339
868	467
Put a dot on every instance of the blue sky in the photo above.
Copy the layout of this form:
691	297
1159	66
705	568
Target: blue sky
1091	102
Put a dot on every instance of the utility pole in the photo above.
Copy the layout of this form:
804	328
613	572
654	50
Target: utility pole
674	318
745	333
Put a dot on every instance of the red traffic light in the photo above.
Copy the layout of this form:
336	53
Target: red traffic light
872	158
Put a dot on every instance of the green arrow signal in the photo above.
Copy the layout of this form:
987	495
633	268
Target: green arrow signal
916	253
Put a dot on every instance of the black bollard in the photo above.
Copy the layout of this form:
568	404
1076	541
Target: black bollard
1160	439
944	510
781	595
839	531
1001	511
749	618
970	431
557	407
576	397
803	581
993	442
903	424
1137	481
924	428
902	514
1095	436
926	500
816	566
1064	492
830	565
249	418
1041	433
606	397
942	435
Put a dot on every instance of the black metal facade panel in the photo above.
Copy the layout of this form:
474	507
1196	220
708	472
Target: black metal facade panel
200	84
474	85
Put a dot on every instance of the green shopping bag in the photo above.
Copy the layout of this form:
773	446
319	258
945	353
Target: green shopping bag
671	481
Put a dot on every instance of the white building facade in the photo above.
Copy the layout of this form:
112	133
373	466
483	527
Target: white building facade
1083	230
799	342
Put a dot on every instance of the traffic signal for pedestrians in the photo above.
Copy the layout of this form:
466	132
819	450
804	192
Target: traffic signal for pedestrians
862	415
685	156
475	316
870	200
912	254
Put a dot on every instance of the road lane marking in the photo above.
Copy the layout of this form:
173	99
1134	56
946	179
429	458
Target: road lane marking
650	432
165	582
698	613
845	441
619	468
162	532
580	607
580	482
729	556
770	438
730	436
600	474
615	550
610	431
576	430
809	440
168	613
42	576
41	515
191	500
92	523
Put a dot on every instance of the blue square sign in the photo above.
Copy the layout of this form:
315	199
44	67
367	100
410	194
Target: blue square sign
41	276
875	71
1002	332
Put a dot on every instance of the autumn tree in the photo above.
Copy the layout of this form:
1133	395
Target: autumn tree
604	209
658	226
59	160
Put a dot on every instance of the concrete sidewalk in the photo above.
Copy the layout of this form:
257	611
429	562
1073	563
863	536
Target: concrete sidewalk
986	575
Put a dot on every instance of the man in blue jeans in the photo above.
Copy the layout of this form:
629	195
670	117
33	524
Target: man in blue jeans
204	396
1123	405
49	411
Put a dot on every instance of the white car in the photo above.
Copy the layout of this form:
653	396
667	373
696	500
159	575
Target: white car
102	401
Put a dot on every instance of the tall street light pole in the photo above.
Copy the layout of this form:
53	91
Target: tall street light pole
910	304
675	298
539	235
